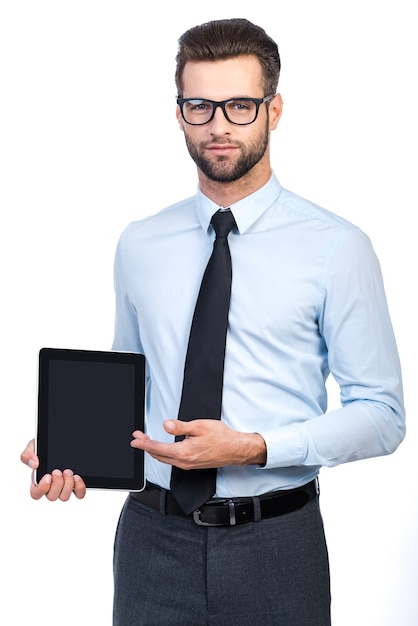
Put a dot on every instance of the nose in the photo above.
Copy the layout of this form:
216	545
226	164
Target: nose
219	123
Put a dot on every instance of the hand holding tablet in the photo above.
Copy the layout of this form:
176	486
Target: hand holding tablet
89	403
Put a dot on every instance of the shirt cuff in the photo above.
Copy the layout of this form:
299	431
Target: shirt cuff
286	447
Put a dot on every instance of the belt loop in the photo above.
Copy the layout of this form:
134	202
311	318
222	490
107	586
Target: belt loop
257	508
163	499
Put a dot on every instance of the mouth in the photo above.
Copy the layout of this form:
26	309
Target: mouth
221	149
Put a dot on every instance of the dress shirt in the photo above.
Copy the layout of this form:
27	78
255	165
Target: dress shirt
307	300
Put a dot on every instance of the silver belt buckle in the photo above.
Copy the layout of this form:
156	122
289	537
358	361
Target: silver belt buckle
232	520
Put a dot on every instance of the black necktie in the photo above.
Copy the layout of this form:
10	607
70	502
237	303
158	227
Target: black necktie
203	370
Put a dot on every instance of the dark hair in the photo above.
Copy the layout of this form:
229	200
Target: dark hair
225	39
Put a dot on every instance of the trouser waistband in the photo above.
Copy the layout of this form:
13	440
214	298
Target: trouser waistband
231	511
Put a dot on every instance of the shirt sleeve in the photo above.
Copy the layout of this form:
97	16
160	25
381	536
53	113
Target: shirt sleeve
126	335
355	324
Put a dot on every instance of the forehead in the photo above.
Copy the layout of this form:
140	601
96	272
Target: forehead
222	79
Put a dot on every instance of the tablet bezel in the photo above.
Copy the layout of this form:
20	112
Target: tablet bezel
136	482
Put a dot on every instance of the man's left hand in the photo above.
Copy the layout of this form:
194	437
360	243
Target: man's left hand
207	443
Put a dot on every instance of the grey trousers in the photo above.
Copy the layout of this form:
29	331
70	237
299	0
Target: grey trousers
168	571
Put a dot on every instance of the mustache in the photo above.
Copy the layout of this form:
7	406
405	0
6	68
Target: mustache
219	141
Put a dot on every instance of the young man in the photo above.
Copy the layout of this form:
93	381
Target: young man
307	299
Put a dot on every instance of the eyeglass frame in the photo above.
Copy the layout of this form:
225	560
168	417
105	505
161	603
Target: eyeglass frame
222	103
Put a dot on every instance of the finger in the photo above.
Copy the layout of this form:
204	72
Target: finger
161	451
79	487
42	488
170	453
72	484
171	426
28	456
68	485
178	427
139	436
57	484
155	448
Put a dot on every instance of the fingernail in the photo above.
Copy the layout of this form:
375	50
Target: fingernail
31	463
169	425
48	478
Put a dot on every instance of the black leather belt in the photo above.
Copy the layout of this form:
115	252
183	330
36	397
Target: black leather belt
231	511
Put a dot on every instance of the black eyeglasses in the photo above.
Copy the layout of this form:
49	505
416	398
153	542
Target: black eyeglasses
241	111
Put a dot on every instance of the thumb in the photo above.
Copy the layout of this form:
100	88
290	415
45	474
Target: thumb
178	427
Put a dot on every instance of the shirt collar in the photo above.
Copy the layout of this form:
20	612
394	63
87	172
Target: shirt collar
246	211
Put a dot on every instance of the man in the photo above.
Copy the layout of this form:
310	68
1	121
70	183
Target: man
307	299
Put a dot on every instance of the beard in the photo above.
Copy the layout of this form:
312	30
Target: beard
222	169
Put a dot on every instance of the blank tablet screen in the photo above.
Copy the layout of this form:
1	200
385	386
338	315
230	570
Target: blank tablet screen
89	404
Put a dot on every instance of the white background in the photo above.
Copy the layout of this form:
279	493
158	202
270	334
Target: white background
88	143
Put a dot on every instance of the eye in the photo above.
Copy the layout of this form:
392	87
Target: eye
199	106
240	105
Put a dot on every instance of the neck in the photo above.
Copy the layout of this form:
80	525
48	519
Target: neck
226	194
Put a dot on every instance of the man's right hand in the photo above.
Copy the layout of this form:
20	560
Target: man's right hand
55	486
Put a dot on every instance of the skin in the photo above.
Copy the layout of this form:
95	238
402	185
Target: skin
217	149
55	486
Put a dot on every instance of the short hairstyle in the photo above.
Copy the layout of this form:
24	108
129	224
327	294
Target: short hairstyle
226	39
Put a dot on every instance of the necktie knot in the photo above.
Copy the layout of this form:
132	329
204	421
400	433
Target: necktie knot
223	222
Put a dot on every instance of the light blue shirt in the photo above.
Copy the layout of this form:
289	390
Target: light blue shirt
307	299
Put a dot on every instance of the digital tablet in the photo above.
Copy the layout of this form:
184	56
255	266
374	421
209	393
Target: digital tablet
89	403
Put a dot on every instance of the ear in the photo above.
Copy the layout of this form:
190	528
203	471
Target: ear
275	111
179	118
